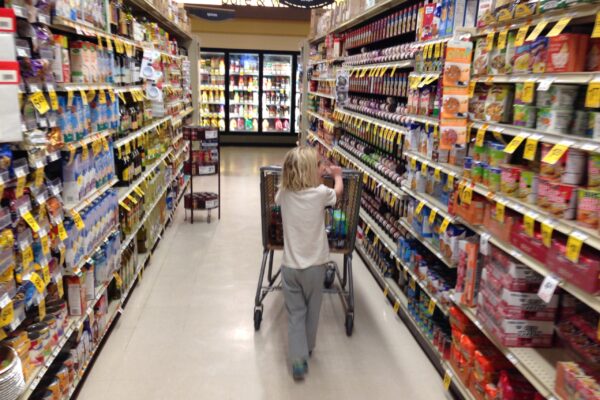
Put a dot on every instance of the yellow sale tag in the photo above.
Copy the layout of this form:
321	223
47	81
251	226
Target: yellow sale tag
386	291
111	94
437	174
450	182
437	50
118	279
392	201
53	99
592	95
431	307
62	232
444	225
536	31
31	222
119	46
77	219
558	27
365	178
367	229
413	164
514	144
521	34
85	152
479	139
412	283
396	306
467	195
37	282
376	241
83	96
59	287
432	216
69	98
529	224
39	177
99	38
596	31
27	256
574	244
528	91
42	309
447	381
7	314
46	274
530	148
423	168
546	234
419	208
132	199
138	191
501	44
472	86
124	205
489	44
39	102
45	244
500	209
555	153
101	97
393	70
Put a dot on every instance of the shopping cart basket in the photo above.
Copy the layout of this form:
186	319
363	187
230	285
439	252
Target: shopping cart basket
340	222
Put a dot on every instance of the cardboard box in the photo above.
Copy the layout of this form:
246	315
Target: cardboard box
585	273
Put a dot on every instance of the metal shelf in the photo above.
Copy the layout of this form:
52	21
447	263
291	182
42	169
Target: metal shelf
566	77
372	120
325	95
140	132
125	191
423	119
312	135
322	118
91	196
393	64
159	16
88	140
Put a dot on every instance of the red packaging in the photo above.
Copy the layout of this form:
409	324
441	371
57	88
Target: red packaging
532	246
513	386
562	200
469	252
592	62
477	387
585	273
460	321
472	213
501	230
514	276
567	52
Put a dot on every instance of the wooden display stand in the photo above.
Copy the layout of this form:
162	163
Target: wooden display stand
204	159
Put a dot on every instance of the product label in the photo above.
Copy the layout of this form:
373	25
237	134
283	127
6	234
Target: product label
39	102
558	27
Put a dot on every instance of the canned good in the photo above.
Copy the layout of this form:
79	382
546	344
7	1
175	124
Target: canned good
574	168
528	186
509	180
588	207
593	172
554	120
557	96
524	115
562	200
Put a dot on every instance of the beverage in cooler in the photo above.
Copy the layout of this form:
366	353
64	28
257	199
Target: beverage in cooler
243	92
277	93
212	90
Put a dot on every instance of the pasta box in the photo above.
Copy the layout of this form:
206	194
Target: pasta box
567	52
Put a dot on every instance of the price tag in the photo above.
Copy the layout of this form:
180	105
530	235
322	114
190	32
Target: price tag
77	219
596	31
122	97
46	274
27	256
42	309
472	86
69	98
432	216
376	241
83	96
62	232
412	283
546	290
45	244
132	199
119	46
536	31
111	95
528	91
489	44
59	286
592	96
393	70
37	282
546	233
31	222
515	143
124	205
545	84
419	208
101	97
365	178
413	164
437	174
555	153
423	169
85	152
118	279
529	224
501	44
481	135
574	244
467	195
500	209
521	34
386	291
450	181
39	102
447	380
7	315
444	225
431	306
39	177
530	147
53	99
396	306
559	26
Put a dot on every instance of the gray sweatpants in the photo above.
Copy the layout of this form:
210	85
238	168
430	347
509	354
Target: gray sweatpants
303	292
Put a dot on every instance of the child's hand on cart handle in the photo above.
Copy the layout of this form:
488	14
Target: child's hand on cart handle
338	186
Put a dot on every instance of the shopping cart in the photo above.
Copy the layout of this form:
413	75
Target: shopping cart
340	222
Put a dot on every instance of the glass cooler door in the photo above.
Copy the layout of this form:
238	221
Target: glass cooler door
277	93
212	90
243	92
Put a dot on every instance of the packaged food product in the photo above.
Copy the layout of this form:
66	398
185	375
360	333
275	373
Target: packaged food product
457	66
581	121
562	200
528	186
495	178
485	13
500	60
539	52
522	59
498	102
477	103
588	207
481	57
453	132
524	8
549	5
510	176
593	172
567	52
554	120
524	115
496	154
503	10
593	130
585	273
558	96
574	168
455	103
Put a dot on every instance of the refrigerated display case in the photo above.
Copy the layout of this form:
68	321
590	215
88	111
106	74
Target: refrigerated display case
277	93
250	96
298	91
212	90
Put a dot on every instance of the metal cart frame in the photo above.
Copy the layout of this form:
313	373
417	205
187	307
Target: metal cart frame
349	205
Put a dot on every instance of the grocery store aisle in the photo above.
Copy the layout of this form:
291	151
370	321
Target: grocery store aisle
187	331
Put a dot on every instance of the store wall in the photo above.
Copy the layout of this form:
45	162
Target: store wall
251	34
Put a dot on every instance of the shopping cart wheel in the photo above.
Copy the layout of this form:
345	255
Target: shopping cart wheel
329	275
349	324
257	318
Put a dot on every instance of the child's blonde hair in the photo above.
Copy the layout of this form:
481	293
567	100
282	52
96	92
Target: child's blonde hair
300	169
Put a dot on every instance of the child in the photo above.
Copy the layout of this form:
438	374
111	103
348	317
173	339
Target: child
303	199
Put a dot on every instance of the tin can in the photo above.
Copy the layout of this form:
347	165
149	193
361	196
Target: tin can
528	183
588	207
510	176
562	200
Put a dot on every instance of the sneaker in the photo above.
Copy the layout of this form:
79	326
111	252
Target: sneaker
299	369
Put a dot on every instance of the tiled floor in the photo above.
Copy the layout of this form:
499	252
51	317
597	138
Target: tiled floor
187	331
